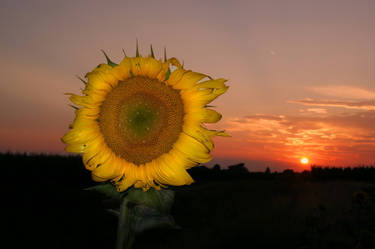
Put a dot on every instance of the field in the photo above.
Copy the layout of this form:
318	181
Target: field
44	206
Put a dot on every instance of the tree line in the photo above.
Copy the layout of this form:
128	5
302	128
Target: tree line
58	166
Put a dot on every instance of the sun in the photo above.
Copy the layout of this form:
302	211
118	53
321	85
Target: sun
304	160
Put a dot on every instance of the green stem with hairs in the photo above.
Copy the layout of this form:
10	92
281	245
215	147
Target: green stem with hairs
125	237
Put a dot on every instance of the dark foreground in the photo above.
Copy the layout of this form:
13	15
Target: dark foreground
43	206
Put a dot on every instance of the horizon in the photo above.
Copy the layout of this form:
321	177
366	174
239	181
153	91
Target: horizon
300	74
251	166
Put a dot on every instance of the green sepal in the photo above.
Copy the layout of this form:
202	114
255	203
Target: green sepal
165	54
106	189
168	74
124	53
137	50
161	200
84	82
152	52
109	62
74	107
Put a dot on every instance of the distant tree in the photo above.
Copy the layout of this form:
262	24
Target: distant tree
238	171
216	168
268	171
288	172
240	168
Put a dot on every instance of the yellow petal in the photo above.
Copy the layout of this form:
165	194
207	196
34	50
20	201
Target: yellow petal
140	174
139	184
75	148
213	84
92	113
96	155
163	72
211	116
101	78
82	123
107	170
218	133
199	98
181	159
188	80
151	67
136	65
202	116
81	147
192	149
101	68
176	76
78	100
122	71
175	62
124	184
149	174
79	136
201	134
171	173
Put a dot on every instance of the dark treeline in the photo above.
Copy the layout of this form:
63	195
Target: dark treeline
239	171
57	166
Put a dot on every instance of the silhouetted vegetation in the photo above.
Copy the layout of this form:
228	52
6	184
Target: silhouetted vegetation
239	171
44	206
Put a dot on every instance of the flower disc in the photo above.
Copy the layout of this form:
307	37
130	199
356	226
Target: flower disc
140	124
141	119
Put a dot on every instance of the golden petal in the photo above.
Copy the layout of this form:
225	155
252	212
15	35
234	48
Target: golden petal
188	80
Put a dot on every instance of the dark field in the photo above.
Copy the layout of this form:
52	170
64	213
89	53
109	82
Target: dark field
43	206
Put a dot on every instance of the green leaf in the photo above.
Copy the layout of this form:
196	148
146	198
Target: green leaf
107	189
143	218
161	200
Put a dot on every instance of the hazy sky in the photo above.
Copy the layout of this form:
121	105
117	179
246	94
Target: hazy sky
301	73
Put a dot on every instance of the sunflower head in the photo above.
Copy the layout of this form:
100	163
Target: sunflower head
140	123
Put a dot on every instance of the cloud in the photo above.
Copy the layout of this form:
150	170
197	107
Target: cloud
345	92
327	140
317	110
359	105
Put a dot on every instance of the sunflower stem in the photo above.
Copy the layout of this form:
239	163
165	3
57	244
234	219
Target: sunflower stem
125	237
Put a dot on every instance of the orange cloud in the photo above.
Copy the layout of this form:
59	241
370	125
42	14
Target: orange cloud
317	110
347	92
329	140
360	105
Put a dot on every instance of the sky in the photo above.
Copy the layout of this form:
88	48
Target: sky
301	73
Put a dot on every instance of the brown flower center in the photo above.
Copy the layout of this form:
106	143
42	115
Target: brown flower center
141	118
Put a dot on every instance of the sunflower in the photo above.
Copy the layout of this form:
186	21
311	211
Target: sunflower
140	122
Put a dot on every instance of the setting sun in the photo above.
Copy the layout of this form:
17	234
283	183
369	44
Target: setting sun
304	160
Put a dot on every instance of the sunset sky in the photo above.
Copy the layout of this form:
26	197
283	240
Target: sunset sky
301	73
